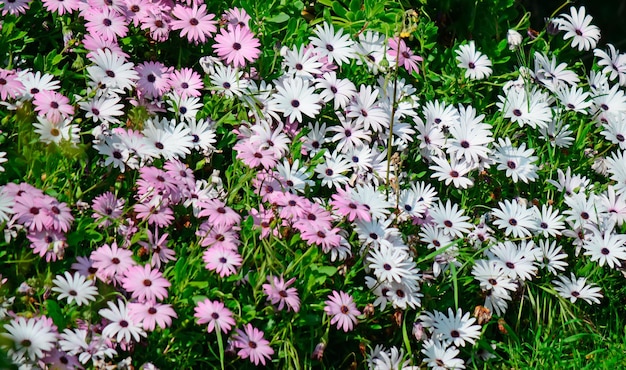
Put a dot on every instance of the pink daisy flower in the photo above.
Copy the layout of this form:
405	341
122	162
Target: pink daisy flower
215	314
111	262
252	345
53	106
343	310
32	212
145	284
236	17
151	314
161	216
278	292
47	243
254	156
405	56
186	82
14	7
194	22
219	214
10	85
222	260
61	216
61	6
218	236
236	45
158	24
106	22
157	247
344	205
107	207
153	79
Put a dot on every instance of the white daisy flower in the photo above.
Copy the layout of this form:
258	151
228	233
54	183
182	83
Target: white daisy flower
296	97
112	71
31	337
517	162
514	218
440	356
577	26
517	261
450	219
121	326
553	256
456	328
606	248
75	288
391	264
228	80
477	65
573	288
336	46
614	63
332	170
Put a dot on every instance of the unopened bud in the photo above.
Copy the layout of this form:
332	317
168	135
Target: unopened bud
514	39
318	352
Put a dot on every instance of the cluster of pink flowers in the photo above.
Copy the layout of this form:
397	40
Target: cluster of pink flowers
45	219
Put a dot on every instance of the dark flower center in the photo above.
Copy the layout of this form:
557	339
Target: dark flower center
152	310
511	165
510	265
107	22
147	282
517	112
448	223
465	144
471	65
344	309
513	222
124	323
193	22
237	46
151	78
387	267
295	103
605	251
330	48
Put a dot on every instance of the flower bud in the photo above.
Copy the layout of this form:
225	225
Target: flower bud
514	39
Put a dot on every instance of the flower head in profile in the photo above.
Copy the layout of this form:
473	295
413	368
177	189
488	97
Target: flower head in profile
477	66
343	310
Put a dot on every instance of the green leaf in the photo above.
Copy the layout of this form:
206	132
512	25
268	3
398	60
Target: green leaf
327	270
55	313
279	18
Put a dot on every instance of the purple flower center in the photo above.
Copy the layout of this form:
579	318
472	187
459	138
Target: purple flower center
517	112
605	251
151	78
124	323
152	310
448	223
107	22
295	103
510	265
471	65
193	22
513	222
147	282
344	309
237	46
511	165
